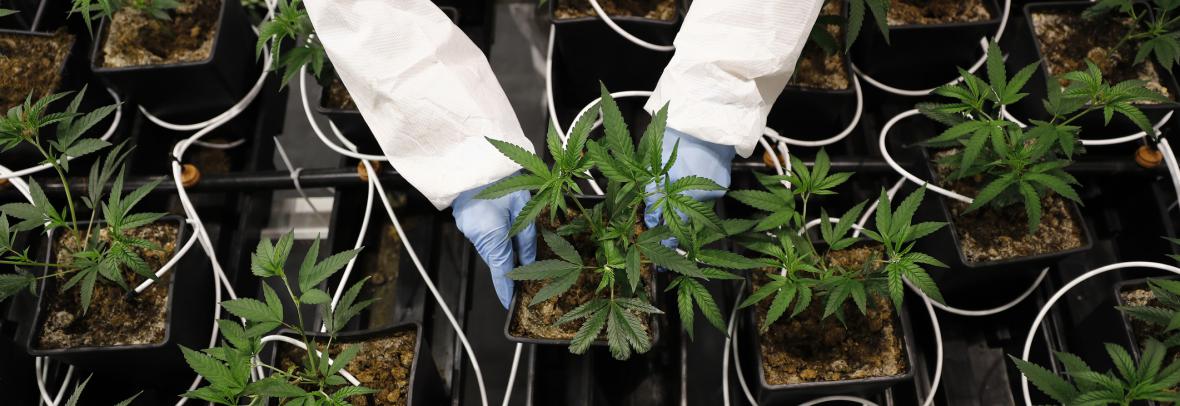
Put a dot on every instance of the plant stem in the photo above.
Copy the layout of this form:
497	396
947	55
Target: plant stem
60	174
312	358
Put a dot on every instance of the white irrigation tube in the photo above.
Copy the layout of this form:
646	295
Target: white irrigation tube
105	136
512	375
626	35
295	178
1104	141
227	145
835	138
552	106
168	265
281	338
826	399
40	372
320	133
1036	324
889	160
979	63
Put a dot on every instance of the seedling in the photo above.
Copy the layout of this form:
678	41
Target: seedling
93	10
318	380
1153	33
1023	165
797	270
1149	379
619	248
291	22
93	259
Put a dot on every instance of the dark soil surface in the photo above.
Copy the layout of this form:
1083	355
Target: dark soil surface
928	12
31	64
1068	40
112	319
808	348
383	364
213	161
137	39
991	234
1140	329
338	97
653	9
537	321
818	69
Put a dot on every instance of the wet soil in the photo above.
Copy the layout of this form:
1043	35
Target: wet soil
808	348
537	321
1068	40
654	9
383	364
991	234
928	12
137	39
1140	329
112	320
31	64
817	69
338	97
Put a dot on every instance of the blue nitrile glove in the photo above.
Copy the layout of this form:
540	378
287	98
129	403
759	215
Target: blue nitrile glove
486	224
693	157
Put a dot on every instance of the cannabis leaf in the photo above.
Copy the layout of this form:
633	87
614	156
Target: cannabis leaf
895	231
291	24
1149	379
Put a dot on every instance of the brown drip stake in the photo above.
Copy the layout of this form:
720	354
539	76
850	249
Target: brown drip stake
189	175
768	158
363	173
1148	157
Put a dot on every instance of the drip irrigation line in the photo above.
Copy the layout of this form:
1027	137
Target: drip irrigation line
225	145
295	178
626	35
288	340
320	133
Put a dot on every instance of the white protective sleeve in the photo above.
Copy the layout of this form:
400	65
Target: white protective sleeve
733	59
425	90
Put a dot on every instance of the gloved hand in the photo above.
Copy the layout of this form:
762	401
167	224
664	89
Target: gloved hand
693	157
486	224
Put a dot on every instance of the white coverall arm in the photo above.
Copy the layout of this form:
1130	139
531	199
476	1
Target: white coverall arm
733	59
426	91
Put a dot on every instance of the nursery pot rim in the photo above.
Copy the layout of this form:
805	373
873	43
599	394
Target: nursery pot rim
61	70
354	336
680	7
1118	298
901	317
846	66
1166	78
104	33
41	309
1074	212
994	10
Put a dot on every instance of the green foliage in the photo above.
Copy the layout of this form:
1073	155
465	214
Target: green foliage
616	251
1148	380
856	17
76	395
91	259
1023	165
93	10
1153	33
1166	315
318	380
6	12
291	22
799	273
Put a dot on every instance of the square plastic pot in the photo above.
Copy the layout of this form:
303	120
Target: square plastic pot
1028	50
425	385
190	308
768	394
27	12
189	90
1123	286
586	51
965	276
920	56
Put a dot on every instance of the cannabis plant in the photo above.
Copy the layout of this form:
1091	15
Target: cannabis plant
318	380
1024	165
98	251
1166	316
1153	32
93	10
617	247
799	272
851	25
291	22
1148	380
76	395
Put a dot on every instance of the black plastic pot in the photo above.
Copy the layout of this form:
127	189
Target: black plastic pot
768	394
920	56
1028	50
812	114
964	276
586	51
178	90
1118	299
425	386
27	12
349	121
190	307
